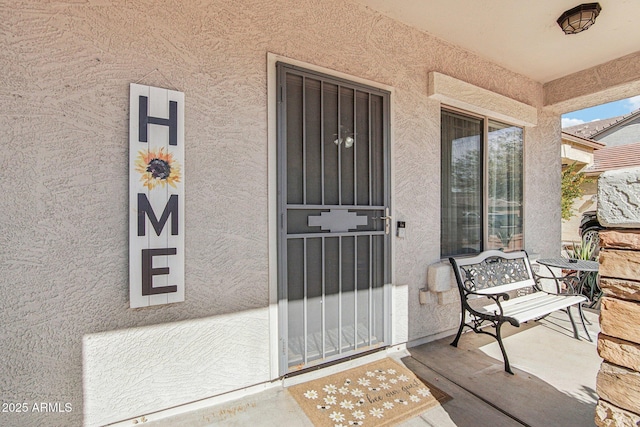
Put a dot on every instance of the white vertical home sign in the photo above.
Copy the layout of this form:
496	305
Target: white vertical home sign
156	196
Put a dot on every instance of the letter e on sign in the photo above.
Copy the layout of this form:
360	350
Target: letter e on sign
156	196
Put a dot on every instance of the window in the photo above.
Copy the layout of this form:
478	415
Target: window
482	177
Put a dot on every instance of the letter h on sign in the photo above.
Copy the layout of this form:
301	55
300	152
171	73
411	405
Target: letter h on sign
144	120
156	185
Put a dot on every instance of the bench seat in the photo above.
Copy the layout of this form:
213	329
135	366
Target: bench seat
533	306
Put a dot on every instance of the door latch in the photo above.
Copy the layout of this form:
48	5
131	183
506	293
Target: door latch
387	220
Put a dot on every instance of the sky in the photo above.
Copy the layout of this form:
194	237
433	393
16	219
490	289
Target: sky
601	112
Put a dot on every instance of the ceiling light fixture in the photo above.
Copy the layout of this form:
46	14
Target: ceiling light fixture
579	18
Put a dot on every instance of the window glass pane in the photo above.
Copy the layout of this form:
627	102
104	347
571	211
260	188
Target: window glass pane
504	210
461	212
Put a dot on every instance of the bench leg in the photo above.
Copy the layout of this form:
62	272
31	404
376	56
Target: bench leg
507	367
462	321
583	324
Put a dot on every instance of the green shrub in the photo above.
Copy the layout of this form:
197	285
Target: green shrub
571	188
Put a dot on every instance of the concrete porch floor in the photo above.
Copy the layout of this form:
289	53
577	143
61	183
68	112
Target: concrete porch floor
553	385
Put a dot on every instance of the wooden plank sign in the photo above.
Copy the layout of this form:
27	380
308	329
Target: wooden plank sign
156	196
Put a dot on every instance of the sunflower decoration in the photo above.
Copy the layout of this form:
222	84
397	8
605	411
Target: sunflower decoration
157	168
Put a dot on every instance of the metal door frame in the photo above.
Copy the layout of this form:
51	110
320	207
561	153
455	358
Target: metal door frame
281	161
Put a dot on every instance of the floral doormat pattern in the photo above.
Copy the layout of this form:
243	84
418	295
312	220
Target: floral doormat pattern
382	393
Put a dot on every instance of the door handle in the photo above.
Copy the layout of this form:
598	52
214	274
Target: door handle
387	220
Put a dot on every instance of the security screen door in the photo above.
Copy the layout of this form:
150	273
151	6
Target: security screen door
334	223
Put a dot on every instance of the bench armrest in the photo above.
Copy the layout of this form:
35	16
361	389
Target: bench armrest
494	297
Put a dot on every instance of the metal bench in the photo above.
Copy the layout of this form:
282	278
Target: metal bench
492	274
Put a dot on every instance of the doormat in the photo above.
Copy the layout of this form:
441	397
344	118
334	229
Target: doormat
382	393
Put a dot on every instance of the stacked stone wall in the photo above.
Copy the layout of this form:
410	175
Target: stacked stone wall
618	382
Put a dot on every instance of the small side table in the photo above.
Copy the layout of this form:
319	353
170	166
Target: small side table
580	266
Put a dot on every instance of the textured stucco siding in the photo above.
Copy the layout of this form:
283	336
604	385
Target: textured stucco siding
543	218
194	359
66	67
607	82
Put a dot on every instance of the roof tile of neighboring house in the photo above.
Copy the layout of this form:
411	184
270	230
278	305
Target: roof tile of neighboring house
569	138
617	157
590	129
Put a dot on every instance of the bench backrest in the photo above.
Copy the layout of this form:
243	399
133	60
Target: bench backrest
493	272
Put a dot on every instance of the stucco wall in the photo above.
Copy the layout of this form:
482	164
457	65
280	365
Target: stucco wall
607	82
66	69
542	186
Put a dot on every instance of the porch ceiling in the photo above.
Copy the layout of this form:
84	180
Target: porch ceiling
523	36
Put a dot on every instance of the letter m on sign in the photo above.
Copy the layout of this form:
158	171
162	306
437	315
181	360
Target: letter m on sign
156	196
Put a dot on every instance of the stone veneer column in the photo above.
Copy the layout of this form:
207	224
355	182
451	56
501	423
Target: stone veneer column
618	382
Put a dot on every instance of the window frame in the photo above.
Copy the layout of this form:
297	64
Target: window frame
484	149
